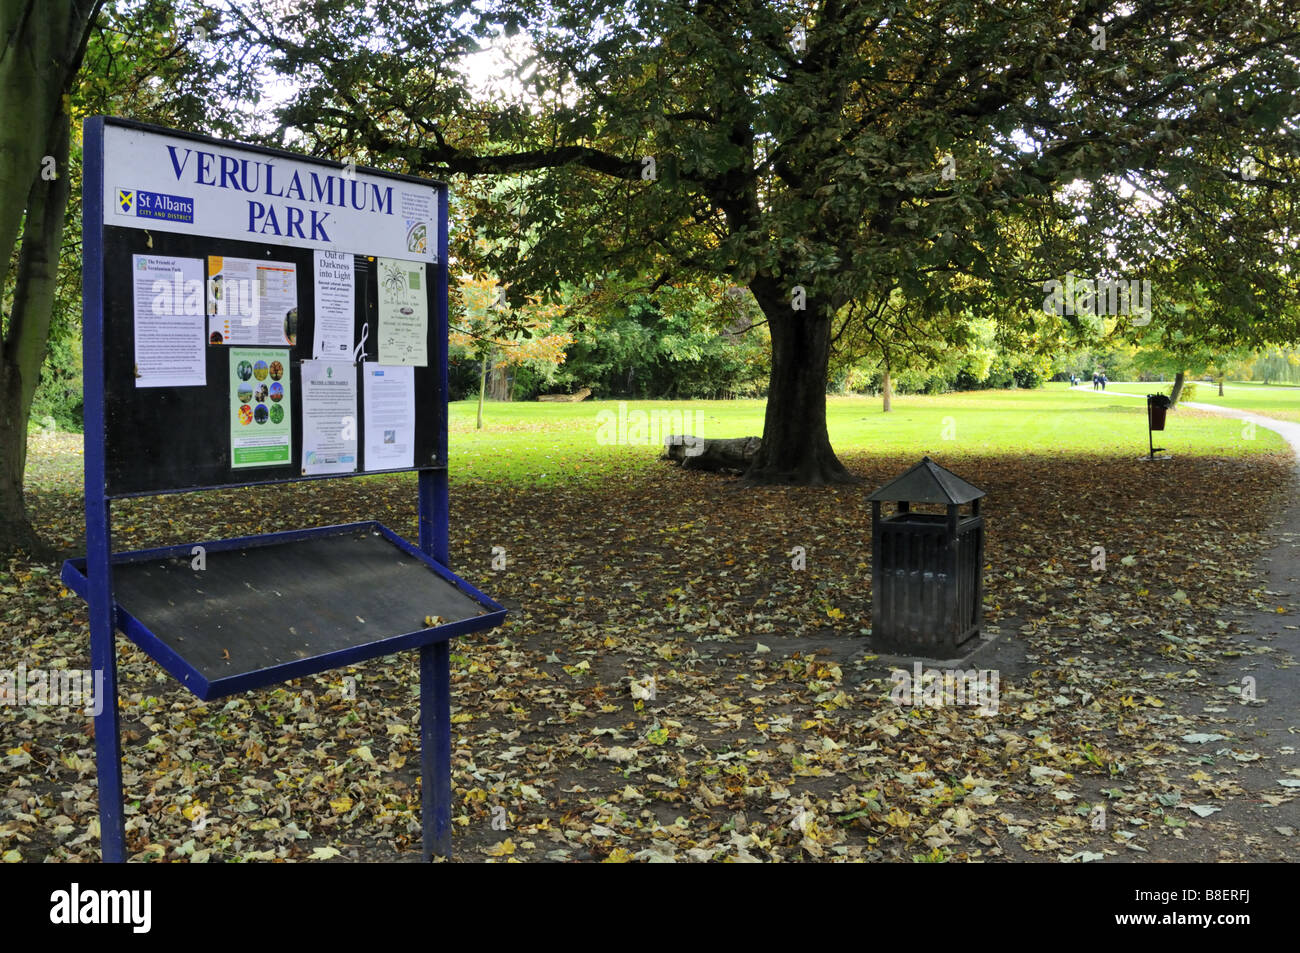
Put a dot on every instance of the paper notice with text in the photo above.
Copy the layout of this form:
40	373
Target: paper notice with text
261	425
252	302
389	395
169	349
403	313
335	304
329	417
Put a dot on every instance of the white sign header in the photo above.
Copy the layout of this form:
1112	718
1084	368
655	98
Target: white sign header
172	184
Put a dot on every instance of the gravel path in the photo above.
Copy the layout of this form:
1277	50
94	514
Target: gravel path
1269	649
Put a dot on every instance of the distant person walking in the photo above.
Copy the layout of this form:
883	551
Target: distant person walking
1103	381
1096	380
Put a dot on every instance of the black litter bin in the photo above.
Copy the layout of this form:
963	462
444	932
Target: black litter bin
927	581
1157	407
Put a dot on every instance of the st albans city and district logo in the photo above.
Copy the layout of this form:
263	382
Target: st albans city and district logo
155	205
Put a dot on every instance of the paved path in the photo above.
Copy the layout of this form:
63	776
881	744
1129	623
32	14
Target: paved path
1270	643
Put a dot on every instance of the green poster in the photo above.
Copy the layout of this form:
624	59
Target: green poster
261	428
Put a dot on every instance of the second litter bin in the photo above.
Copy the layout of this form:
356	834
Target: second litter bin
1157	407
927	579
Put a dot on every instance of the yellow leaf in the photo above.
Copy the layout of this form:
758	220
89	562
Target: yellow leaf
503	849
342	804
619	855
897	818
462	718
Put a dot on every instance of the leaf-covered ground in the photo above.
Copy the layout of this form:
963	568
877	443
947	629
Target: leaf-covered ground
668	687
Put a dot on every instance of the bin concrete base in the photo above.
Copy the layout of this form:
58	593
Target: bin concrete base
973	649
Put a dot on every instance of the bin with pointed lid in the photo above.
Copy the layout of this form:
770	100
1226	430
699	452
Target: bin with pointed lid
927	583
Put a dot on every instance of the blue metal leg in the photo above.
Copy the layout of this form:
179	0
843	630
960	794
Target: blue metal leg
435	748
435	682
103	660
99	576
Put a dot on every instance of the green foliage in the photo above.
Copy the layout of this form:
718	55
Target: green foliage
659	349
159	61
59	393
978	355
1277	365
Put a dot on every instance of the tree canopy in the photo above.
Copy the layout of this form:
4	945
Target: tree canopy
828	153
830	156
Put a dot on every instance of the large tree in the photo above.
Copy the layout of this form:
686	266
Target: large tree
820	153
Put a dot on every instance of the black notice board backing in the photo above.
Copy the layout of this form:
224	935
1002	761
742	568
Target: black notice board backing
169	439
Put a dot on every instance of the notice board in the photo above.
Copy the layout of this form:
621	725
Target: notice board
267	317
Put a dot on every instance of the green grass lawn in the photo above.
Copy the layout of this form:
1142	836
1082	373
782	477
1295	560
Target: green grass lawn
563	442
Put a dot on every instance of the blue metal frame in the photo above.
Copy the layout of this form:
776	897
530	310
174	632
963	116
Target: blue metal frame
91	577
99	586
435	659
137	630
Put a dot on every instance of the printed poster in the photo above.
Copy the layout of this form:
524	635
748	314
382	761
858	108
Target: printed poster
403	313
261	426
252	302
169	348
335	283
389	393
329	417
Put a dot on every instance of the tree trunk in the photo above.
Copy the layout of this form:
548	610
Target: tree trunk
1177	392
796	448
41	48
1220	386
28	335
887	391
482	387
573	398
696	453
15	530
500	380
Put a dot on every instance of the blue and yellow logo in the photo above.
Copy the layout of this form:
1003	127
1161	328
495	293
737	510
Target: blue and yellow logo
125	199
